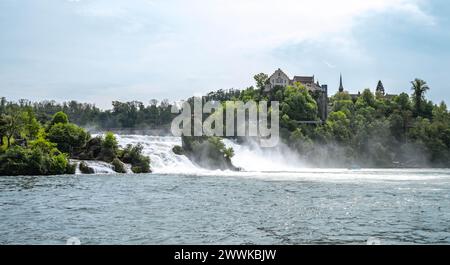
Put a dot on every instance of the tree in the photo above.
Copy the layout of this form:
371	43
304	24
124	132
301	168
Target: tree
261	80
440	113
366	99
60	117
298	104
250	94
2	105
68	137
340	126
14	124
109	147
3	123
402	102
342	101
419	88
379	91
31	126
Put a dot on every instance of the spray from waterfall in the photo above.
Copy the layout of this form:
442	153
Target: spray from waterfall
252	157
249	156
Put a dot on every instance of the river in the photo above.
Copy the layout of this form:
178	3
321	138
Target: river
182	204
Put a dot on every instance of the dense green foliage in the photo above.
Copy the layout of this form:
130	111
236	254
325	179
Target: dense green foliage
109	147
40	158
29	148
208	152
123	115
378	131
69	137
366	130
133	155
59	117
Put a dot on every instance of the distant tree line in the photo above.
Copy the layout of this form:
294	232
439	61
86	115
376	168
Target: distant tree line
133	114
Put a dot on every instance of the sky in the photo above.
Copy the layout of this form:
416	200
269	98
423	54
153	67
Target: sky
98	51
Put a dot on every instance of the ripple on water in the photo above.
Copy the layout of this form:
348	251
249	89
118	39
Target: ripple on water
237	208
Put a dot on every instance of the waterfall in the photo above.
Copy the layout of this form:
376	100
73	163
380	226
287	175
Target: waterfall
159	149
249	157
279	163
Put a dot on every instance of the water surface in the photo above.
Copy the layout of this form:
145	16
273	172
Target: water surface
308	207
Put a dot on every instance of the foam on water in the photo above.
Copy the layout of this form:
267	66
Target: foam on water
159	149
99	167
271	164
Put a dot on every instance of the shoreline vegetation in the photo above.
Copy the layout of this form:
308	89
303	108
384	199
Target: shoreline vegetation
35	149
370	130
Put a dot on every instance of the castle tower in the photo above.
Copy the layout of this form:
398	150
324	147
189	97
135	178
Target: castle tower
341	87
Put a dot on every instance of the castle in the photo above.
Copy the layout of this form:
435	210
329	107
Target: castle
279	78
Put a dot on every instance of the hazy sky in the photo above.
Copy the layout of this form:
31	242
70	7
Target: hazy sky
103	50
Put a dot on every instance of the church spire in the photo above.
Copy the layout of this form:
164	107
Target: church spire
341	87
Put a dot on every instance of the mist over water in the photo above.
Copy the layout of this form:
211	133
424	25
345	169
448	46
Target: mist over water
251	157
270	163
278	163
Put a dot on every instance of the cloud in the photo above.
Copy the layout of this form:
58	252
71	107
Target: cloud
227	32
253	24
269	24
176	47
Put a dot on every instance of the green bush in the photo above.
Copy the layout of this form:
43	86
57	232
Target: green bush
34	161
68	137
133	155
109	147
208	152
60	117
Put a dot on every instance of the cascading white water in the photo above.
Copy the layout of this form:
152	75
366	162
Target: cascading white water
274	163
251	157
99	167
159	149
